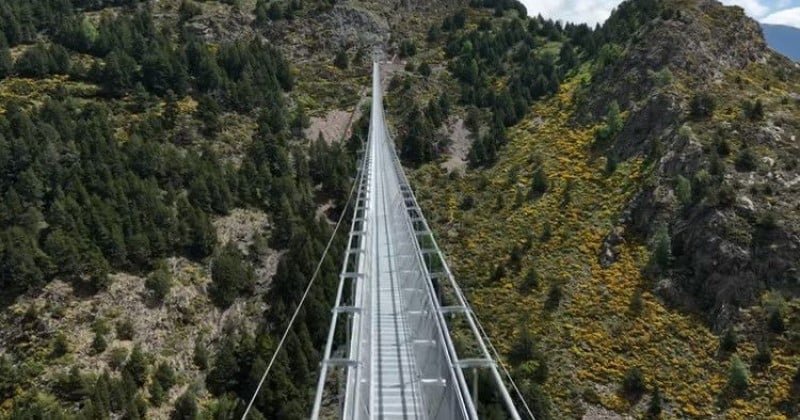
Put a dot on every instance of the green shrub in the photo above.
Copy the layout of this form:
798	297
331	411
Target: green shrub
60	346
683	190
746	161
125	330
633	385
117	357
341	61
738	377
159	283
654	407
753	110
763	356
99	343
530	282
424	69
728	341
539	184
662	248
775	321
554	295
702	106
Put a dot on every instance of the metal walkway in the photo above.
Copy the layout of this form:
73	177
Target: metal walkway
396	304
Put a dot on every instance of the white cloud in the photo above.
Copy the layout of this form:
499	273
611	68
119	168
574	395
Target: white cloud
790	17
597	11
577	11
754	8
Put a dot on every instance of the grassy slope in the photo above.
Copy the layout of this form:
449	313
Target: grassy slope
593	337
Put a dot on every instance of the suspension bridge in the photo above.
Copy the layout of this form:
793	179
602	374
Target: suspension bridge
391	352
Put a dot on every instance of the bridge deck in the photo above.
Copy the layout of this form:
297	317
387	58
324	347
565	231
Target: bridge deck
397	394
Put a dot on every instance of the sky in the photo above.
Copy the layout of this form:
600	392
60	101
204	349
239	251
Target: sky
782	12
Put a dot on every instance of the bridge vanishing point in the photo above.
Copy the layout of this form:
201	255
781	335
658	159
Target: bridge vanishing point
390	353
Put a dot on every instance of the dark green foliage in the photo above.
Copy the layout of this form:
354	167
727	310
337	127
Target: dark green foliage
42	60
118	357
637	303
728	341
537	400
159	283
547	232
60	346
341	61
416	146
71	386
125	330
9	378
157	394
200	355
424	69
231	276
523	349
137	366
300	120
407	48
530	281
164	375
654	407
6	62
554	295
633	385
738	377
775	321
702	106
189	9
746	161
661	257
539	183
613	126
99	343
763	356
185	407
611	165
208	112
683	190
118	75
753	110
223	376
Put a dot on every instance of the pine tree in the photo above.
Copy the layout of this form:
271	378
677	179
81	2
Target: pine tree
224	373
159	283
539	184
341	61
633	385
99	343
654	407
531	281
662	248
185	407
728	341
136	366
775	321
683	189
6	62
231	276
200	355
738	377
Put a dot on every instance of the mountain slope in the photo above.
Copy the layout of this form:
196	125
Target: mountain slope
783	39
639	217
617	203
